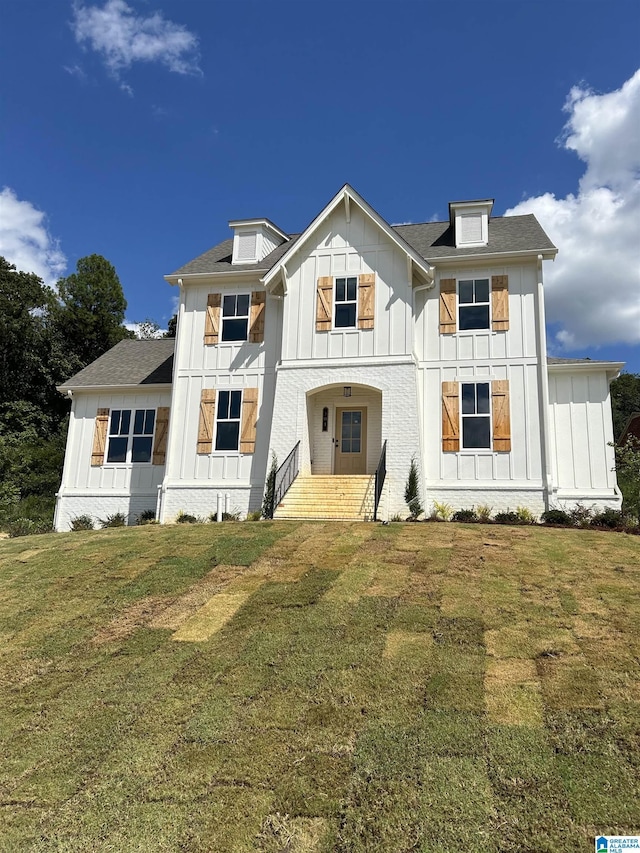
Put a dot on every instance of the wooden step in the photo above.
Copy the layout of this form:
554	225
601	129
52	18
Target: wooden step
333	497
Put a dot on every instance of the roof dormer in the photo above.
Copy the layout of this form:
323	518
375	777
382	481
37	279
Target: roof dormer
254	239
470	222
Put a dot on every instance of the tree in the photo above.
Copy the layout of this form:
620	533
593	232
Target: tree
90	313
628	473
625	400
412	491
147	330
172	327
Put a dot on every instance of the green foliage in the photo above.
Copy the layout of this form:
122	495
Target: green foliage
625	400
172	327
628	473
90	312
187	518
270	488
557	516
467	515
611	518
412	491
82	522
525	516
147	516
507	518
116	519
441	511
147	330
581	515
484	512
26	527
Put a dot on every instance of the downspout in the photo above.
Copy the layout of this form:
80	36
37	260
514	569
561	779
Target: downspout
162	489
547	457
419	391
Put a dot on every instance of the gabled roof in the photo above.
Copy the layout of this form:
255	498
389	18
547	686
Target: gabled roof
427	242
128	363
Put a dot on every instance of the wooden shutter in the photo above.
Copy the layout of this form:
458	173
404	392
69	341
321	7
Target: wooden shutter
160	439
205	425
448	324
366	300
501	415
100	437
499	303
256	321
212	319
324	300
249	418
450	416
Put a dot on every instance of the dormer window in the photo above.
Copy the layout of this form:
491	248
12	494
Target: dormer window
470	222
254	239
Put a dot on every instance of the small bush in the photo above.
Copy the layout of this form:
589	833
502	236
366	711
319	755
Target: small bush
147	516
484	513
525	516
441	511
556	516
268	505
412	491
82	522
26	527
507	518
186	518
581	515
610	518
396	517
118	519
234	515
468	515
256	515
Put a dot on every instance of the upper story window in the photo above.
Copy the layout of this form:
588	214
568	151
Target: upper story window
130	438
346	302
473	304
235	317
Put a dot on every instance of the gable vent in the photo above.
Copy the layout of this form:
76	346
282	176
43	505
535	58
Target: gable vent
471	228
247	243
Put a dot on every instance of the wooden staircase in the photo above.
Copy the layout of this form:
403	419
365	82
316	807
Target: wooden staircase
340	497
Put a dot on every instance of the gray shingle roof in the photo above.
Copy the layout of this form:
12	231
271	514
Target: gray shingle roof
432	240
129	363
553	360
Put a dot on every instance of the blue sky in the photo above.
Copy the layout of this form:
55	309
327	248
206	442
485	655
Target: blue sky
138	129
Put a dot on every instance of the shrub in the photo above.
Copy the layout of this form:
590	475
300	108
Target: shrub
234	515
147	516
118	519
484	512
468	515
525	516
256	515
556	516
507	518
396	517
611	518
441	511
82	522
268	507
186	518
581	515
26	527
412	491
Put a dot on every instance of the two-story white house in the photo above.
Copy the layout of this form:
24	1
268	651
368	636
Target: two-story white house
351	348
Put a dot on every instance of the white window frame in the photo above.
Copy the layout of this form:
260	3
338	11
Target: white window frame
235	316
354	302
130	435
489	415
219	420
463	305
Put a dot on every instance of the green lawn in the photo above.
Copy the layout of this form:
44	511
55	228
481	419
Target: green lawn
319	687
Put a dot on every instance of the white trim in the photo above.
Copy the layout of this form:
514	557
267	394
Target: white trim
609	366
300	364
525	254
265	223
114	389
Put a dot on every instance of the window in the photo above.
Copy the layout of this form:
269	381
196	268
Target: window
235	317
476	417
473	304
346	303
228	420
130	438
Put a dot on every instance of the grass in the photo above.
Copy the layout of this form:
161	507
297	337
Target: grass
319	688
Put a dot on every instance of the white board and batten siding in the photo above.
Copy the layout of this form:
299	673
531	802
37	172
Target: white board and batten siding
581	432
101	490
340	248
193	480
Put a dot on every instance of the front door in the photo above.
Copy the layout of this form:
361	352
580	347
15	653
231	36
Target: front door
351	441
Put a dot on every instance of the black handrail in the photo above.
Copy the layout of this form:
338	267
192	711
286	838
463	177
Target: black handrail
285	475
381	473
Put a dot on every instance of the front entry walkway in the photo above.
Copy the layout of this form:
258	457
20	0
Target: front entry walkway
338	497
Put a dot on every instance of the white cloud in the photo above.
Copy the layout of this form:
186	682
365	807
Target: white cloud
593	287
25	241
121	37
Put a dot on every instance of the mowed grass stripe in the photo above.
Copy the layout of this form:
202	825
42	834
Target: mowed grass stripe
354	688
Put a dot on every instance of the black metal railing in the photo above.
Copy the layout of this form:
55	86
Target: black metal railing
285	475
381	473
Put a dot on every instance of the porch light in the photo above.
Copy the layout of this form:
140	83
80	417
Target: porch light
347	391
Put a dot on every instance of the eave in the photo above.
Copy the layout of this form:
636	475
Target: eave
107	389
612	367
526	254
